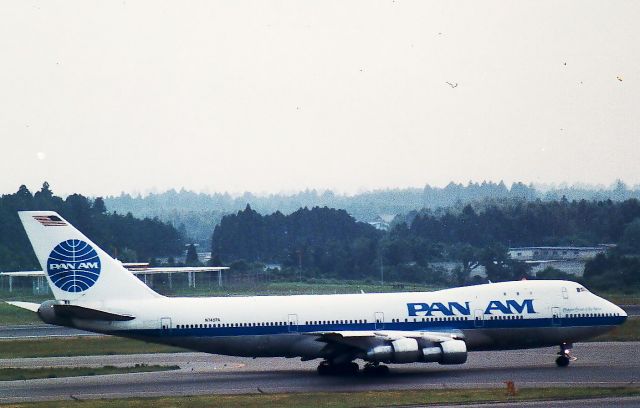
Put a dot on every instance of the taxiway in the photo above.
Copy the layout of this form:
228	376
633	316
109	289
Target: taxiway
599	364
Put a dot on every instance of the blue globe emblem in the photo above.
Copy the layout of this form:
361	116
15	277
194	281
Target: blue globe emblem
73	265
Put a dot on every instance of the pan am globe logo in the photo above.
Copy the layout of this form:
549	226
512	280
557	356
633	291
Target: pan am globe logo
73	266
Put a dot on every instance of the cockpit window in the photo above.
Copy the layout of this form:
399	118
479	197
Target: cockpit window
581	289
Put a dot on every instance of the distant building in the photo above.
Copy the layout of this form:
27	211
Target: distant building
382	222
563	253
380	225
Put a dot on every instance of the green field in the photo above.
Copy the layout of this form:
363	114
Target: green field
13	374
11	315
296	288
79	346
350	399
629	331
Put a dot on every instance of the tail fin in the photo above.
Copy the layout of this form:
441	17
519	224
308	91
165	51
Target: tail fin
76	268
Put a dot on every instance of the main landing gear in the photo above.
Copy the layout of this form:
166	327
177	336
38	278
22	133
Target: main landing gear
375	369
564	355
350	368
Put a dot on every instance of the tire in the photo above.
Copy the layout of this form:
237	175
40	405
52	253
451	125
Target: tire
382	370
324	368
562	361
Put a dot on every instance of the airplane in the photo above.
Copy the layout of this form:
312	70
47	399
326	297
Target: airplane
96	293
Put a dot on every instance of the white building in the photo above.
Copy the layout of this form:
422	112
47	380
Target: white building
564	253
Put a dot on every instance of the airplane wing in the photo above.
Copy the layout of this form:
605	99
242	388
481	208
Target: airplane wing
352	337
81	312
74	311
446	347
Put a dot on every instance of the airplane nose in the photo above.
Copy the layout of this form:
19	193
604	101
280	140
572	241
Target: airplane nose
622	312
619	311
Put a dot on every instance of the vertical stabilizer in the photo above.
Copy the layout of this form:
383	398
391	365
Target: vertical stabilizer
75	267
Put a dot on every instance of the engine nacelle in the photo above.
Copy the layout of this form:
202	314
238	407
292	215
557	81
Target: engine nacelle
47	314
447	352
407	350
403	350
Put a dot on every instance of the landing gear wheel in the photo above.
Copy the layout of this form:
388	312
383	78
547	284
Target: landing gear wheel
562	361
564	355
382	370
353	368
376	369
324	368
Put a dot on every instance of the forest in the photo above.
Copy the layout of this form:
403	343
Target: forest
329	243
123	236
196	214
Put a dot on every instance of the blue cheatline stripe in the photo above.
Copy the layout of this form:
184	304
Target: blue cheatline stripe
401	326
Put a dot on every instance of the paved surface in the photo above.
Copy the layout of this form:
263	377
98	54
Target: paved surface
632	310
40	330
599	364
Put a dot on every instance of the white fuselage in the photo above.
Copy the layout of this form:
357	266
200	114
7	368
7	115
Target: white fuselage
507	315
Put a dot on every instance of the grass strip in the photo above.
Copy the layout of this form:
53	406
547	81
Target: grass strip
12	315
12	374
352	399
629	331
79	346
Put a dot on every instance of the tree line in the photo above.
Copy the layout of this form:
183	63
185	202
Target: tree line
330	243
123	236
200	212
322	239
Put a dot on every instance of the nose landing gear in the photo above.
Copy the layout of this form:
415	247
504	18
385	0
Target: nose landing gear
564	355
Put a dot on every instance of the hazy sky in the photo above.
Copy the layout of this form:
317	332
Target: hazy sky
100	97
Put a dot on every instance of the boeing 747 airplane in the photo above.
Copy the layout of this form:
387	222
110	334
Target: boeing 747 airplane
95	292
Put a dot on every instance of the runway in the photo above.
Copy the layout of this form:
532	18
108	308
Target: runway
632	310
599	364
30	331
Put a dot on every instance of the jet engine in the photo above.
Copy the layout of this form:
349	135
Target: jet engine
407	350
403	350
447	352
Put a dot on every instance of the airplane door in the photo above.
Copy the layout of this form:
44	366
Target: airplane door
379	320
555	316
478	318
165	323
293	323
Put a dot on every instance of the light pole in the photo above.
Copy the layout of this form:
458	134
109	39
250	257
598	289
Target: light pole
381	272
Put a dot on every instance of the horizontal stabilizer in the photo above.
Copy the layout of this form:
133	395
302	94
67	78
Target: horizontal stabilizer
80	312
26	305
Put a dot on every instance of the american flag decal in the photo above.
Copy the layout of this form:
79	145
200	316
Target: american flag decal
50	220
